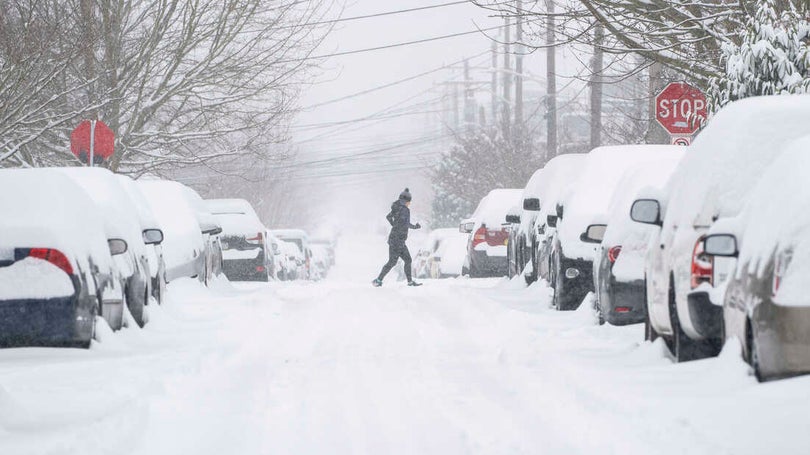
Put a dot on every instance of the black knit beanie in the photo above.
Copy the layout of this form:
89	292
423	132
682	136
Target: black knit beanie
405	195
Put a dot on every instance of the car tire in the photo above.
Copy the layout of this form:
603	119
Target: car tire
682	347
753	352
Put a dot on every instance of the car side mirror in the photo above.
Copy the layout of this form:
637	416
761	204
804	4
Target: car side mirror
594	233
646	211
466	227
722	245
551	221
152	236
214	230
117	246
513	219
559	210
531	204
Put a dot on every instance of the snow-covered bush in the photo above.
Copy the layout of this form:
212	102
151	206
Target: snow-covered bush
773	57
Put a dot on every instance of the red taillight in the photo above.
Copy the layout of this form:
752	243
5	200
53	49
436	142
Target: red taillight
622	309
779	271
53	256
260	268
480	236
702	265
613	253
259	239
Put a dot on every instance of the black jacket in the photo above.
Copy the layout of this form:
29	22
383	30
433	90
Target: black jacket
400	219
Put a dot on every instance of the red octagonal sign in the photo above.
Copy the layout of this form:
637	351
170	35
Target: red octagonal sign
680	108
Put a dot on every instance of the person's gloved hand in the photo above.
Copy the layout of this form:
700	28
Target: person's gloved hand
417	226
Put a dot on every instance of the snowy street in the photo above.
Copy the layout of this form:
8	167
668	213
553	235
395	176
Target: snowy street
456	366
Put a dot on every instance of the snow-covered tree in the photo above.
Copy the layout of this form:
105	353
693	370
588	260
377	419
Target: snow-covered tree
478	162
773	57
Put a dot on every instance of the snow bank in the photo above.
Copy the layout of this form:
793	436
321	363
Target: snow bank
34	278
631	236
591	196
49	210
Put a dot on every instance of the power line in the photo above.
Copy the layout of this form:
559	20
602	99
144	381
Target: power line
391	84
368	16
389	46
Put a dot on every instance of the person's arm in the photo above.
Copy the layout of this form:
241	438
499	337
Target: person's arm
408	221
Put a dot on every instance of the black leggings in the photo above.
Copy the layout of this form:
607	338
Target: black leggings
396	251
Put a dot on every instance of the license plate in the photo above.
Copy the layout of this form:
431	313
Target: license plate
6	254
224	245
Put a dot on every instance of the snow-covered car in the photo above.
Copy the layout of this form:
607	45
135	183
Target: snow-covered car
320	261
121	221
301	239
152	236
767	297
211	230
619	265
275	258
421	261
243	239
514	245
184	244
711	183
556	182
521	234
56	268
585	212
295	261
486	249
329	244
448	259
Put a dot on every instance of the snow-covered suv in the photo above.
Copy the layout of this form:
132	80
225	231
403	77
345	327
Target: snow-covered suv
712	182
486	248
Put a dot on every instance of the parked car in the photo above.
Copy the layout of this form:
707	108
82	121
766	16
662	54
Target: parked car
56	268
711	183
486	249
422	260
523	221
121	221
327	243
766	303
300	238
320	261
296	262
275	257
448	259
583	219
211	231
619	265
243	239
558	176
152	236
188	247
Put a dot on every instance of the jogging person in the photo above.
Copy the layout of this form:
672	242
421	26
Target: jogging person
400	219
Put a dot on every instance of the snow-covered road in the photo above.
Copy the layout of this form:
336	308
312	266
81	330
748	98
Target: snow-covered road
338	367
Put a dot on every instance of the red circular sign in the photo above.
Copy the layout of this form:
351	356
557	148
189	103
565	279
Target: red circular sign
103	143
680	108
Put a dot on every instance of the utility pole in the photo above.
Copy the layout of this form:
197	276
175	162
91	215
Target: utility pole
507	79
655	134
494	83
551	83
519	67
597	66
469	105
455	108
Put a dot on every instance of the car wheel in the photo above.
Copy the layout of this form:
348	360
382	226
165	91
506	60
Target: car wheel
753	351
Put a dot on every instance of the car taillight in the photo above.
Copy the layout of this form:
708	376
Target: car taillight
480	236
53	256
779	272
613	253
702	265
258	240
260	268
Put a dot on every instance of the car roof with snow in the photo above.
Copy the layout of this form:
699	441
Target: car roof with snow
730	154
116	205
49	210
621	229
235	216
558	175
492	209
178	219
589	200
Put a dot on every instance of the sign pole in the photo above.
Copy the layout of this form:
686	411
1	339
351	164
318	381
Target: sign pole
92	140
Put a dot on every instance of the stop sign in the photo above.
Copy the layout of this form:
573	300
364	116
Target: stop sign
680	108
103	143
